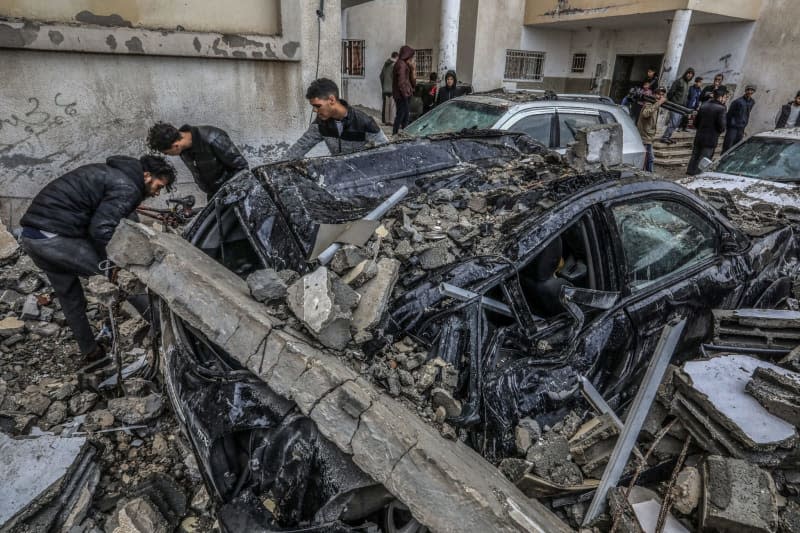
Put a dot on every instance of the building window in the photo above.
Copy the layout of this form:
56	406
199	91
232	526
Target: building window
578	62
424	59
522	65
353	58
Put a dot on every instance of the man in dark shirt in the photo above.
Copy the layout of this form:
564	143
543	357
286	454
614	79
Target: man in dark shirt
710	124
69	223
343	128
208	152
738	117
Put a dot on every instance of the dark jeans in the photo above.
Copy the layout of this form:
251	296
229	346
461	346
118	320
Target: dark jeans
649	157
698	153
732	136
63	260
403	110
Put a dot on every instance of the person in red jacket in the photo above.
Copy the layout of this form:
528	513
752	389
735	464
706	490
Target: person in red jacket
403	83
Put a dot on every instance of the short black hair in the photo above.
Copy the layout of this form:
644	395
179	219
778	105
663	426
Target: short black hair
720	91
395	55
433	76
698	78
798	94
161	136
322	88
159	167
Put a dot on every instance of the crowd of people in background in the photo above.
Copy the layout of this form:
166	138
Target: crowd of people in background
703	108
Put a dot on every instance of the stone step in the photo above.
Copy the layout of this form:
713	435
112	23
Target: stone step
671	162
671	154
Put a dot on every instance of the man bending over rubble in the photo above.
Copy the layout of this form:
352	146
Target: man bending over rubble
343	128
67	227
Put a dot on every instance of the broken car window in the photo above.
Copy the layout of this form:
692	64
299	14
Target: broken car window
535	126
570	123
456	115
764	158
660	237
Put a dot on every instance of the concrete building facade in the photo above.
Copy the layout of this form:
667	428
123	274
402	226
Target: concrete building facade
81	82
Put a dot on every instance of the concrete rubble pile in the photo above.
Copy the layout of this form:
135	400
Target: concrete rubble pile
75	454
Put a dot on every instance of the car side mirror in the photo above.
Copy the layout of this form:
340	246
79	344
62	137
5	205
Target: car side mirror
730	245
704	164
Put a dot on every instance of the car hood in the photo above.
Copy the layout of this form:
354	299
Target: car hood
746	191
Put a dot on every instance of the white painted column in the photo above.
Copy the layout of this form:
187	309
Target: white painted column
677	38
448	38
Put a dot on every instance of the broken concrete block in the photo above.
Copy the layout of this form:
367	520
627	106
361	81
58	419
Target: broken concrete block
514	468
687	490
30	308
779	393
11	299
442	398
316	299
133	410
82	402
375	296
130	244
33	401
44	329
596	146
347	257
550	458
790	518
592	444
436	256
361	273
128	283
757	328
139	515
738	496
522	440
105	292
712	404
8	245
56	413
266	285
11	326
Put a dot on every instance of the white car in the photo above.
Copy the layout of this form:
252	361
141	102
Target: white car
553	122
763	169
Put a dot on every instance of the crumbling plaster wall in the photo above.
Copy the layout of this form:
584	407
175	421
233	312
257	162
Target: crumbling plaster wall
60	110
382	25
770	59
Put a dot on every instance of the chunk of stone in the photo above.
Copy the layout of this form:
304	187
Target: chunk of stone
44	329
436	256
427	375
30	308
63	392
790	518
33	401
533	428
361	273
687	490
132	327
139	515
8	244
82	402
133	410
266	285
779	393
347	257
514	468
550	458
442	398
56	413
11	326
403	250
159	445
738	496
131	245
99	419
522	440
102	290
201	500
375	296
313	300
129	283
11	299
596	146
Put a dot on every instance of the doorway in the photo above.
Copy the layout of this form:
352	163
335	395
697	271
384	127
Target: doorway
629	71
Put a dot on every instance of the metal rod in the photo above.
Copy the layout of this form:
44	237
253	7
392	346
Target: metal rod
670	336
327	254
463	295
597	401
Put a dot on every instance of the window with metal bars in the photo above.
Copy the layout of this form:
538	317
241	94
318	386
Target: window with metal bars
353	58
578	62
524	65
424	60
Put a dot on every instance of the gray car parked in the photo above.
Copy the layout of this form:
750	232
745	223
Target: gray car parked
553	122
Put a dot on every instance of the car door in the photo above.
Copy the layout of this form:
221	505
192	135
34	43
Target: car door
670	252
538	123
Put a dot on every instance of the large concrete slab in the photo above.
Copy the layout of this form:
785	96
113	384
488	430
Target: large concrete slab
447	485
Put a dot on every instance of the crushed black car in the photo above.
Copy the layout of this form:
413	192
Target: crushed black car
518	277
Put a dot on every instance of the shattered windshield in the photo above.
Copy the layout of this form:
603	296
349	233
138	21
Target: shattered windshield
764	158
456	115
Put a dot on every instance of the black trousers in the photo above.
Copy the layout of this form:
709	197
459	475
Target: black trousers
64	260
698	153
403	110
732	136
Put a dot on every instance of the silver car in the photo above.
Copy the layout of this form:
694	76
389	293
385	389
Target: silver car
551	122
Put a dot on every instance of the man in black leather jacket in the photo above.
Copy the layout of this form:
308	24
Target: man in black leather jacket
710	124
69	223
208	152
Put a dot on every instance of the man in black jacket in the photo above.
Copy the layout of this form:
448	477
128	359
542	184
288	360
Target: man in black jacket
738	117
208	152
710	124
343	128
69	223
451	89
789	115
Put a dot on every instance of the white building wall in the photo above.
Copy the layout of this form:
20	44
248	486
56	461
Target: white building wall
382	25
714	48
498	29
